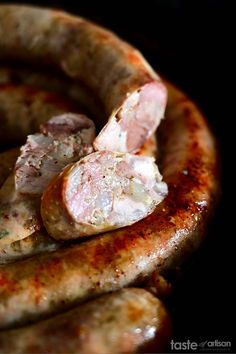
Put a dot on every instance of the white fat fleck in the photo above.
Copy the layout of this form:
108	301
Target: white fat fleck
117	183
138	192
129	105
145	167
65	150
113	137
104	202
128	209
74	180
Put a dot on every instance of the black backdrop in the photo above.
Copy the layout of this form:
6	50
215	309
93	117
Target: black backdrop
189	42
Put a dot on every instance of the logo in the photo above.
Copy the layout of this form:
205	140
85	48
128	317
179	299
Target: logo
205	346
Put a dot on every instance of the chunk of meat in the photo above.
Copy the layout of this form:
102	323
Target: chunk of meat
132	94
39	242
103	191
64	139
133	124
47	283
126	256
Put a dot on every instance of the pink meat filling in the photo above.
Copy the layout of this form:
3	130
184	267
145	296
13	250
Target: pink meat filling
137	119
110	190
64	139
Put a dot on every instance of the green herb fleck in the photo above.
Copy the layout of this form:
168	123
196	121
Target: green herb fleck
3	233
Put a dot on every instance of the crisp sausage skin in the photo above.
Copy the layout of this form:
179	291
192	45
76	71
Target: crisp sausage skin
130	91
48	283
25	107
40	242
121	322
103	191
25	79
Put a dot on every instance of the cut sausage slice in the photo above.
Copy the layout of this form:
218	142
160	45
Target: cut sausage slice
127	319
133	124
130	91
64	139
39	242
49	283
101	192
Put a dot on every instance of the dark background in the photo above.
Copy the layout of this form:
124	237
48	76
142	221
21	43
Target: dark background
190	43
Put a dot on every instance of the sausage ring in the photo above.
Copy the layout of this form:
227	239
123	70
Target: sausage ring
51	282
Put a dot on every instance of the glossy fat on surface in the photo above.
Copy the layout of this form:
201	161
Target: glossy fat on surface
78	47
120	322
103	191
63	139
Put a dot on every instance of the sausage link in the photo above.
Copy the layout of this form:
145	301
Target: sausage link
40	241
47	283
121	322
103	191
81	98
132	94
24	108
